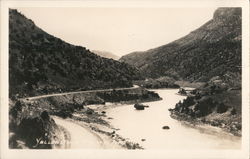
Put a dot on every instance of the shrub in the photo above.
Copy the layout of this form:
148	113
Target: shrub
221	108
204	106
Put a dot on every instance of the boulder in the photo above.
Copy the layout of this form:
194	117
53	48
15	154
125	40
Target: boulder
103	112
182	91
165	127
89	111
138	106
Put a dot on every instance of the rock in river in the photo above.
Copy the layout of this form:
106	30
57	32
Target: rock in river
140	106
165	127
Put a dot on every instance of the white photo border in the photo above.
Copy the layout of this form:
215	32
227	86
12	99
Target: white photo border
114	154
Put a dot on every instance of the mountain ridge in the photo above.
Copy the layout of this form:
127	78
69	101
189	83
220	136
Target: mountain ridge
40	63
214	49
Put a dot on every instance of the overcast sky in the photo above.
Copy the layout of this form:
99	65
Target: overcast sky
119	30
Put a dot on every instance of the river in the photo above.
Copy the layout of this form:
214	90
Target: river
147	124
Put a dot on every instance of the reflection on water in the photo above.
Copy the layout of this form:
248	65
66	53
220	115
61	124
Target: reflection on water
145	127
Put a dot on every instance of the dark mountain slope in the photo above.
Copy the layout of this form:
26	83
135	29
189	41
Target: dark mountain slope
40	63
212	50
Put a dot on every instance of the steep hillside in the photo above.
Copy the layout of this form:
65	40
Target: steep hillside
40	63
106	54
212	50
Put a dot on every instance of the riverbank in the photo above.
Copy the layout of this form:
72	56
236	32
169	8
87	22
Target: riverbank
207	122
215	104
66	106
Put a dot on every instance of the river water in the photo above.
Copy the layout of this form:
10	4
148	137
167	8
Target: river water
147	124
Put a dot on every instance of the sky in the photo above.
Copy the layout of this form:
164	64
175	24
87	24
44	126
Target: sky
119	30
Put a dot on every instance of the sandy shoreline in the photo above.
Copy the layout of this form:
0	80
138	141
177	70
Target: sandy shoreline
103	135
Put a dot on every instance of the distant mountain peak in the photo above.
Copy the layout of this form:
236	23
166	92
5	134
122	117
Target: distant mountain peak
106	54
225	12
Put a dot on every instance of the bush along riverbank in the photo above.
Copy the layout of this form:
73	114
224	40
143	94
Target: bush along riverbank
31	125
215	104
129	96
